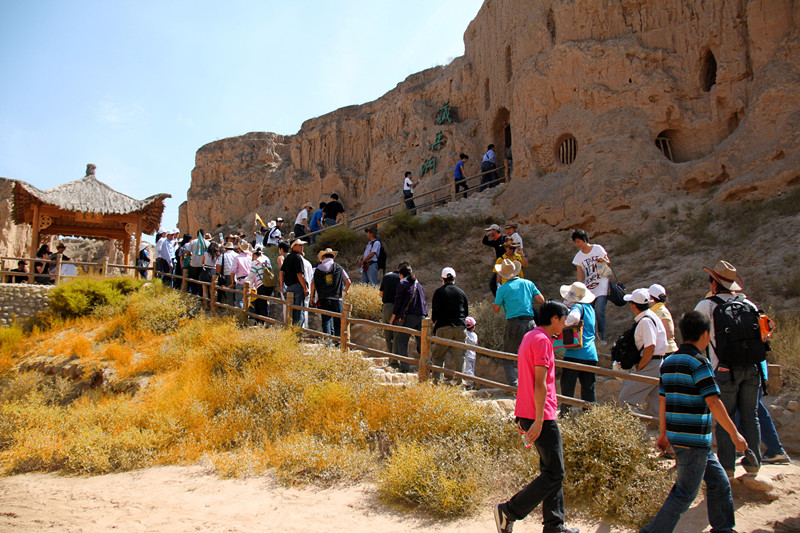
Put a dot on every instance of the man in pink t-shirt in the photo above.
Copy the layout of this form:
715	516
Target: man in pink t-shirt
536	412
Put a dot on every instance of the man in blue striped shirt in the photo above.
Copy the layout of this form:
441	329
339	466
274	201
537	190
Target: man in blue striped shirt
688	396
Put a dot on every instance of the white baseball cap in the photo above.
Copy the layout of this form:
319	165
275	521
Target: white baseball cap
448	271
639	296
493	227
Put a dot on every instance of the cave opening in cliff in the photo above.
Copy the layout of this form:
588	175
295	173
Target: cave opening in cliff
501	131
567	149
664	143
708	70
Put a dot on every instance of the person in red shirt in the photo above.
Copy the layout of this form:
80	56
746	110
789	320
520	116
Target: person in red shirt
536	413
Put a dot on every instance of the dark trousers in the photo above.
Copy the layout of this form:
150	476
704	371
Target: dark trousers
516	328
194	274
569	377
462	184
332	325
408	197
261	307
401	339
547	487
299	230
489	177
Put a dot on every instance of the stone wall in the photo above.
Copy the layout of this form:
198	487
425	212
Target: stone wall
20	301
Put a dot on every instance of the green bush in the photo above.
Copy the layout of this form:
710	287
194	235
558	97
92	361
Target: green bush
344	240
610	467
83	295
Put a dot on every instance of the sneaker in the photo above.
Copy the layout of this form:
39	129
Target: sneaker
501	520
777	459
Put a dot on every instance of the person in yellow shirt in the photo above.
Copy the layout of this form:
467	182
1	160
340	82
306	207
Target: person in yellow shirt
512	254
659	296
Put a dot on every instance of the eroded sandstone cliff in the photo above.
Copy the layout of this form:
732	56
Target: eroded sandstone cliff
658	101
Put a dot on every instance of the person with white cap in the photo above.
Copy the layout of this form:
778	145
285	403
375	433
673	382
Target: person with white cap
292	276
659	296
739	383
274	234
579	299
449	310
651	341
516	296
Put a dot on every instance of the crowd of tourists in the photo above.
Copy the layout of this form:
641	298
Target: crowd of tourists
711	373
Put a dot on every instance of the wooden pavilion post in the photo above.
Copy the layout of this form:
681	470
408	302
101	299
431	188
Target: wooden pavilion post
35	231
138	241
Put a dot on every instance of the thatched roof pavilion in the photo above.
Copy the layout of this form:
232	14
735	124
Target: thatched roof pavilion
86	208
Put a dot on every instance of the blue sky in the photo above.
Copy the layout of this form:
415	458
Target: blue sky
137	87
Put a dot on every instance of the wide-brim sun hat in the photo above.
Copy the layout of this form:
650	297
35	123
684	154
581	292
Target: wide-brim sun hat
326	251
577	293
639	296
245	246
725	274
230	246
508	269
297	241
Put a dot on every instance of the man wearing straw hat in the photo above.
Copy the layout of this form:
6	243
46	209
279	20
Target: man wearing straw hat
738	384
326	289
516	297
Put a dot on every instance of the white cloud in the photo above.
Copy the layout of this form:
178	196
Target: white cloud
112	112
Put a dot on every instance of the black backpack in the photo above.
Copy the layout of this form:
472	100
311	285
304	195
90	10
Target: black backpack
737	334
382	257
625	351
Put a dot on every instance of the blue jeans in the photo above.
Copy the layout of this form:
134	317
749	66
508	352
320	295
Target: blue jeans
299	299
371	274
694	466
769	435
330	324
739	388
547	487
600	316
239	295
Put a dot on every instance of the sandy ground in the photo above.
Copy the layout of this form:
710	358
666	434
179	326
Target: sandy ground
189	499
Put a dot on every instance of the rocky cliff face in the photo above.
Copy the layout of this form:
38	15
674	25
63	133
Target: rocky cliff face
612	107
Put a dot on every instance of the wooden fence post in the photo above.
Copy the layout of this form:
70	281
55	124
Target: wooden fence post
246	296
452	189
58	269
424	350
347	307
212	295
506	173
105	267
288	303
184	280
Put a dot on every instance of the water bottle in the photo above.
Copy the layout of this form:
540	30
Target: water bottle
526	443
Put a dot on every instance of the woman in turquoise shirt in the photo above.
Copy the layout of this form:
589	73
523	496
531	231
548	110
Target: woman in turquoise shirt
580	299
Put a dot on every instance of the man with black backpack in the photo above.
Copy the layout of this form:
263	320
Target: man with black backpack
369	259
650	339
735	351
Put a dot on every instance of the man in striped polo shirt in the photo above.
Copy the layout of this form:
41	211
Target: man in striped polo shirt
688	396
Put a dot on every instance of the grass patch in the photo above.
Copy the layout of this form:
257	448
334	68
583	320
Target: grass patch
366	301
83	295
